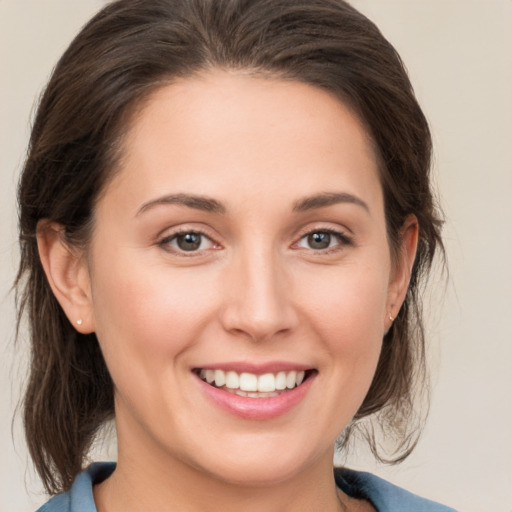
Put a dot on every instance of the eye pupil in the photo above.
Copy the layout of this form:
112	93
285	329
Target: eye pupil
319	240
189	241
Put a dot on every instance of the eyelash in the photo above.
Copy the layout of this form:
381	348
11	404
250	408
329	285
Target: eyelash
342	239
165	242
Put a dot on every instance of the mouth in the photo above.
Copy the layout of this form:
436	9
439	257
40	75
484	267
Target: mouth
252	385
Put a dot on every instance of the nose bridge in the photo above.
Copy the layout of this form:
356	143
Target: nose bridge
259	303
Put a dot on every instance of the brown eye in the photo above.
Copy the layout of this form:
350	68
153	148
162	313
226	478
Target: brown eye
320	240
189	241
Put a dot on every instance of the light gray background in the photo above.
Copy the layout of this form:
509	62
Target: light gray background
459	54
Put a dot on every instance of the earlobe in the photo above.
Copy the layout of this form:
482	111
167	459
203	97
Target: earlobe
67	273
401	273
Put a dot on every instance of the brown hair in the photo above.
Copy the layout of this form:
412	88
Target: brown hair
126	52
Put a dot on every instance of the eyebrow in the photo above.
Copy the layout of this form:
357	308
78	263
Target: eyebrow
327	199
202	203
208	204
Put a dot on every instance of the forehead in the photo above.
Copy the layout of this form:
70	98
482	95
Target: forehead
216	131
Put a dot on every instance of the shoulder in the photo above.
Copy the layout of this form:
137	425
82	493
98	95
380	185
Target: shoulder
79	498
385	496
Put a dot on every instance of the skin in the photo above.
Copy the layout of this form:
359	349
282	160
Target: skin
255	291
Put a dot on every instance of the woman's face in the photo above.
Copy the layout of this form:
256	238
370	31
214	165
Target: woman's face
243	240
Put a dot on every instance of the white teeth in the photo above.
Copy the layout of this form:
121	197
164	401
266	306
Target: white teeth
266	382
232	380
248	382
281	381
220	378
252	385
290	380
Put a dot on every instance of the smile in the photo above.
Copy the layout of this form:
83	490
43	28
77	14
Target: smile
253	392
252	385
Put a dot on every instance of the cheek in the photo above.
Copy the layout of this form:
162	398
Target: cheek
146	315
346	309
350	300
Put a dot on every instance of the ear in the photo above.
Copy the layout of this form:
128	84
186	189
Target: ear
402	268
68	275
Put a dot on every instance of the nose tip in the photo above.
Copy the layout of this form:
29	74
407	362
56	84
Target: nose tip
256	325
259	305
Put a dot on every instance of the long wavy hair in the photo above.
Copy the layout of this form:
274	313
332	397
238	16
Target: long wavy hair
125	53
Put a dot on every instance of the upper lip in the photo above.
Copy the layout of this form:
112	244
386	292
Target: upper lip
256	368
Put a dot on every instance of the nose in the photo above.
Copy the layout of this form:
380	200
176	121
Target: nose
259	294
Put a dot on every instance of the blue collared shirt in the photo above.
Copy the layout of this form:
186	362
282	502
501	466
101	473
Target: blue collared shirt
384	496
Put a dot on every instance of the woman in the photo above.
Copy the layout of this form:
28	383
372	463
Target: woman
225	217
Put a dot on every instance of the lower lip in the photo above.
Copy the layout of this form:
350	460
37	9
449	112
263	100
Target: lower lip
257	408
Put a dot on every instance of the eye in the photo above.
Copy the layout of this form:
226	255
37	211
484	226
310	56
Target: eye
321	240
188	241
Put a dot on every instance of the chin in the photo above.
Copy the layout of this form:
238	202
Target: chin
256	466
